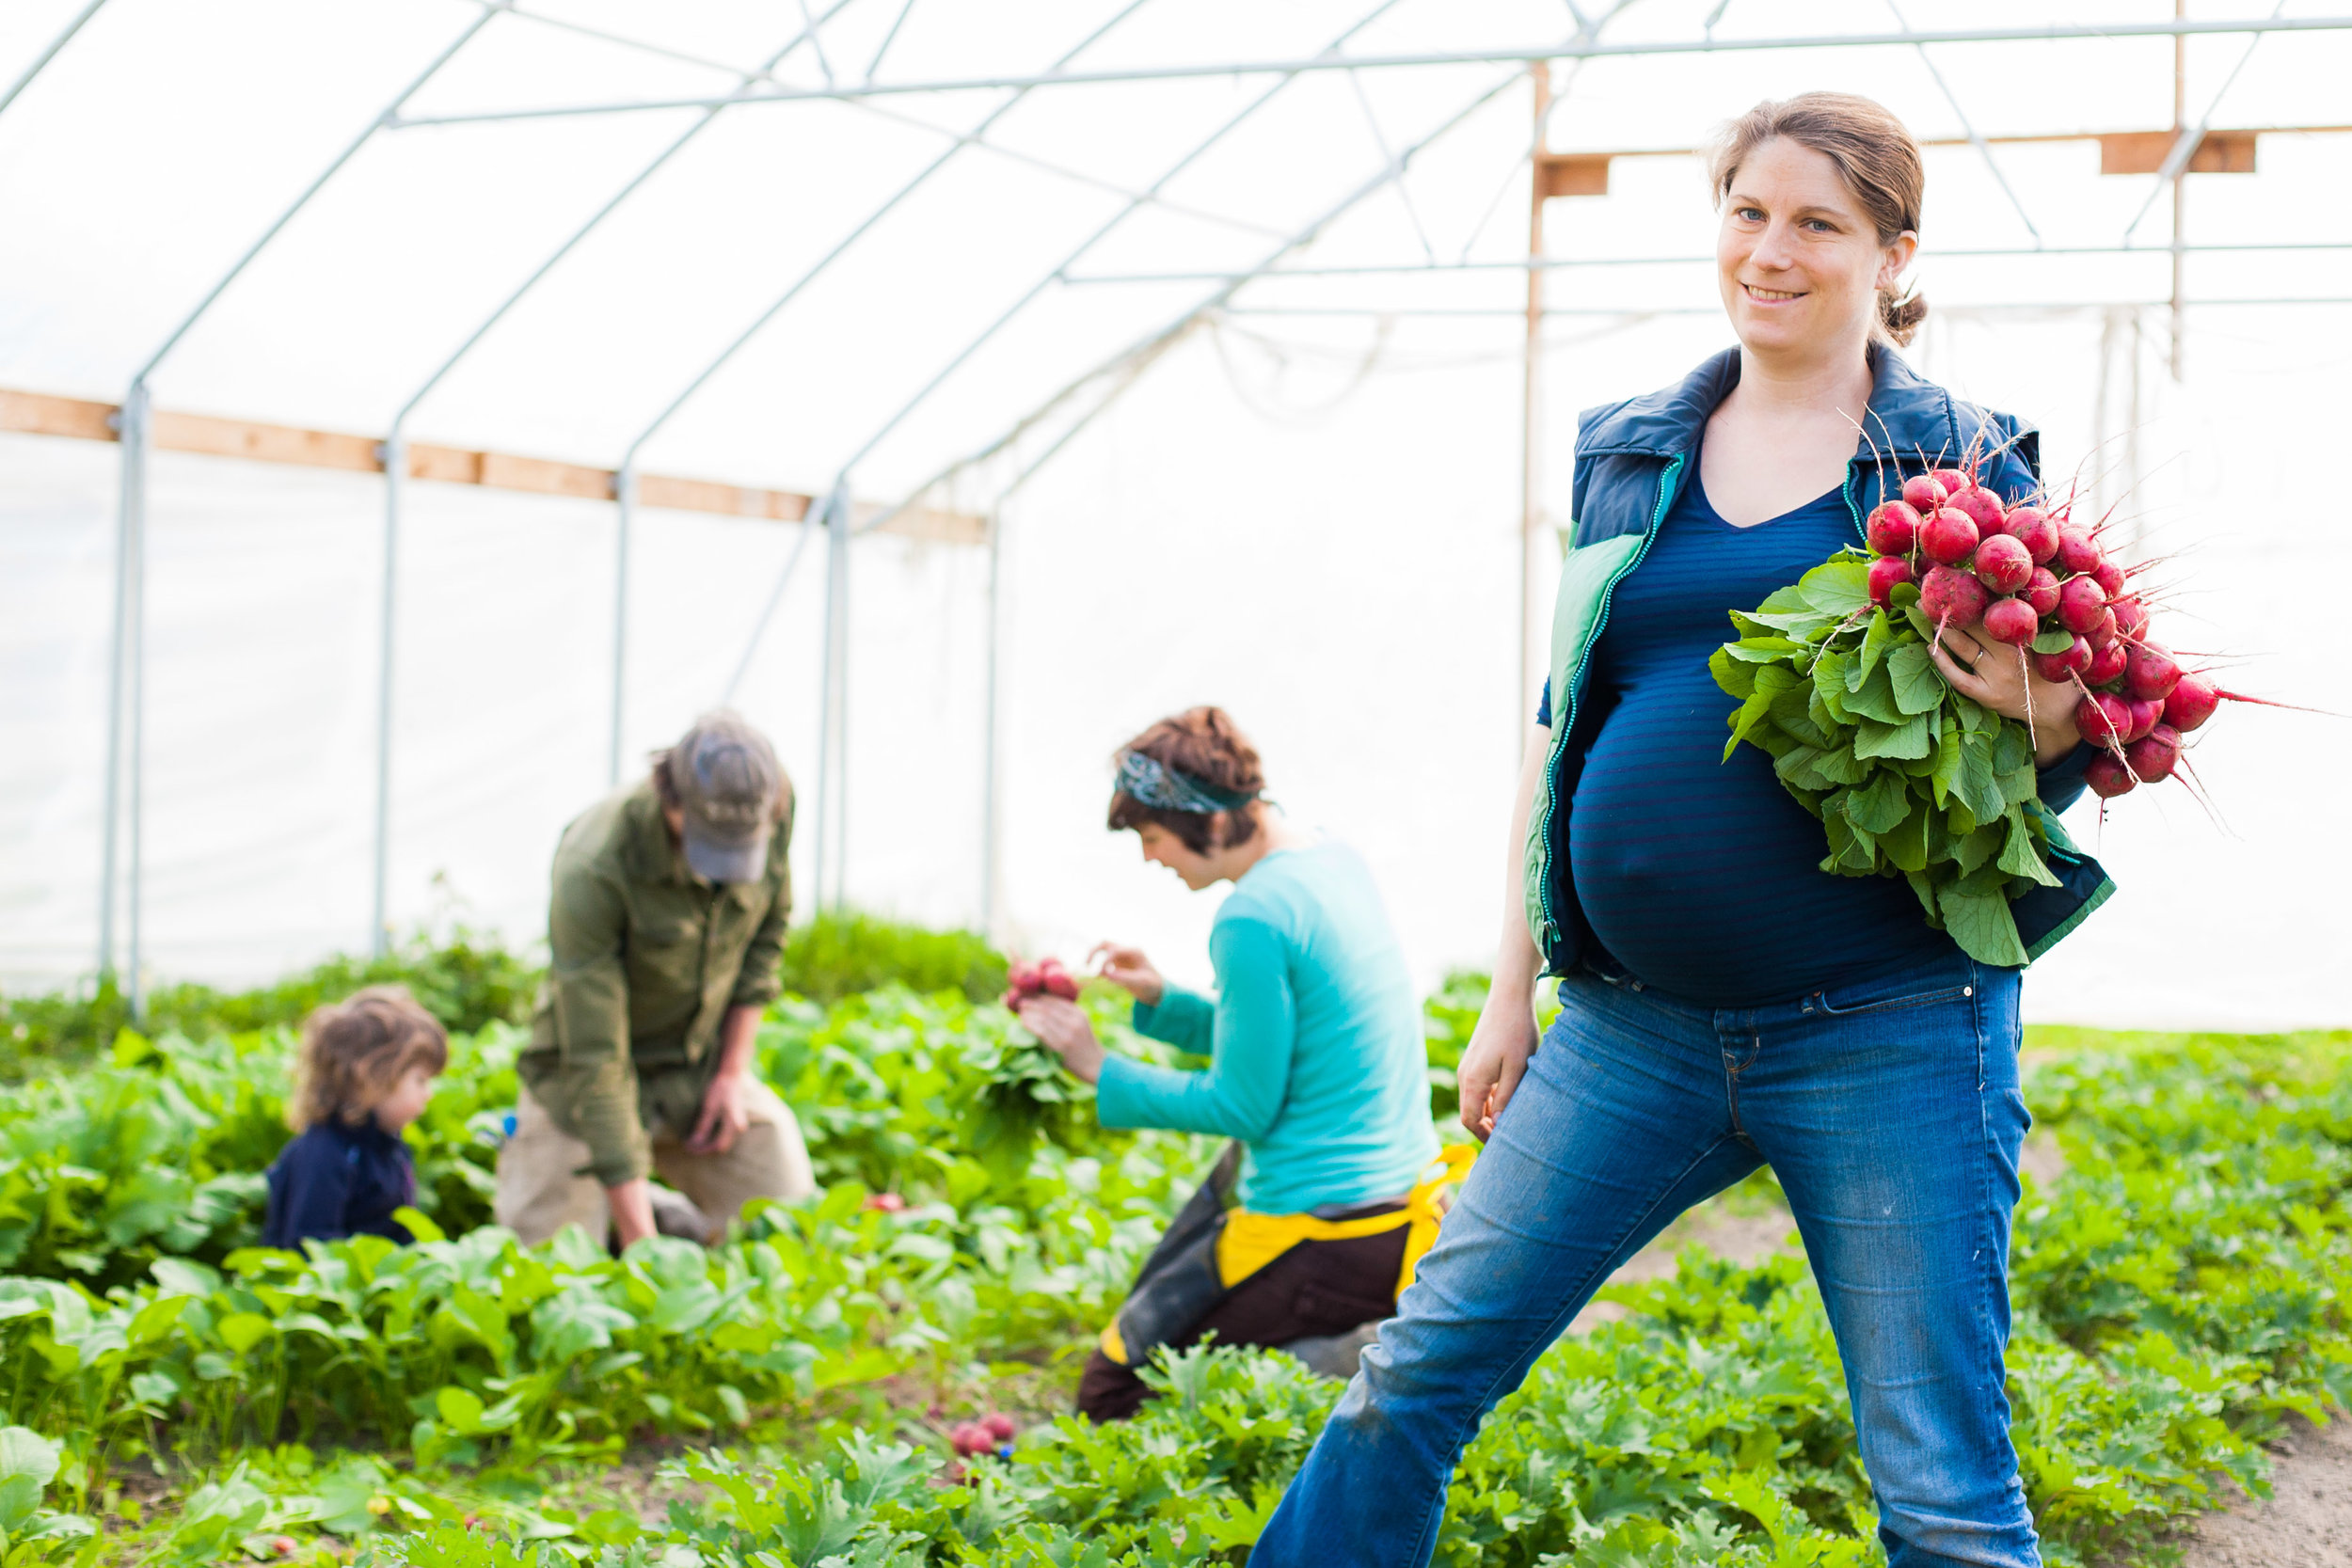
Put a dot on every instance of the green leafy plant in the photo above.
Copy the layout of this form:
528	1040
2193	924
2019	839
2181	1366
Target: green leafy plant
1449	1017
466	979
31	1533
2178	1291
843	952
159	1153
1908	777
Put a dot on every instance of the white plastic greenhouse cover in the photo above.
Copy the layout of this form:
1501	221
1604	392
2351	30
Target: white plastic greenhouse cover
1297	497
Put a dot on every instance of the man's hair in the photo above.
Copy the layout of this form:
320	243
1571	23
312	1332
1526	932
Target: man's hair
1203	743
354	1052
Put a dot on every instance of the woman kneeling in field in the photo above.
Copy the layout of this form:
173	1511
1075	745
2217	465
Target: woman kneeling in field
1317	1070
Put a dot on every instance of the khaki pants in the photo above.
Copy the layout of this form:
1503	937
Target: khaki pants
539	1192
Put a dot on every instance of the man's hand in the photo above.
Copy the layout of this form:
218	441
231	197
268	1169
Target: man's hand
724	1113
1067	1032
725	1109
1127	968
632	1210
1496	1060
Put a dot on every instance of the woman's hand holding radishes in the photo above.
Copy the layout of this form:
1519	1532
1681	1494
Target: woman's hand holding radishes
1907	692
1991	577
1025	1073
1044	996
1983	669
1040	978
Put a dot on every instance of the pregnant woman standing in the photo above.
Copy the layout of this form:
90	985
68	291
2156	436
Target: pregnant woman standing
1724	1003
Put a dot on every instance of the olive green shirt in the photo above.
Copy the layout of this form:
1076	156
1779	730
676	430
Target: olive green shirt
646	959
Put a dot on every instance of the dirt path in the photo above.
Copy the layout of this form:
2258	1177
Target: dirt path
2307	1521
1742	1237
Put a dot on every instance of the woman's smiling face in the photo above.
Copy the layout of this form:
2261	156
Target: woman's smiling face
1799	260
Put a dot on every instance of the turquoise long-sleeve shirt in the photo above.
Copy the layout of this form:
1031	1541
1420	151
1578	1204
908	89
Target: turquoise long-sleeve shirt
1317	1061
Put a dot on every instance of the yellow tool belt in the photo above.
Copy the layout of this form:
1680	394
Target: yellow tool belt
1251	1241
1246	1242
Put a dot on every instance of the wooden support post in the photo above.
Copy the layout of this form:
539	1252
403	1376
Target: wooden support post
1532	627
2180	188
625	495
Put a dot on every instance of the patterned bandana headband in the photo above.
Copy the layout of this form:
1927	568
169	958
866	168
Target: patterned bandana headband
1151	782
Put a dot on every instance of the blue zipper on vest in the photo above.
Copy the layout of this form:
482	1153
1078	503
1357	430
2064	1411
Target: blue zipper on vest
1566	709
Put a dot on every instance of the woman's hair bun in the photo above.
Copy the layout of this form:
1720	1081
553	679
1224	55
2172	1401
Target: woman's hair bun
1900	315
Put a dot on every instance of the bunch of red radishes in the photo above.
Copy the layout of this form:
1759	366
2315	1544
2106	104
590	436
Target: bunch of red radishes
990	1434
1044	978
2027	577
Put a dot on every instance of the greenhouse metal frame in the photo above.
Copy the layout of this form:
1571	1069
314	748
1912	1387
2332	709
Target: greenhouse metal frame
2187	145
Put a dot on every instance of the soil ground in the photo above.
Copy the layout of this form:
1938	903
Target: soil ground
2307	1522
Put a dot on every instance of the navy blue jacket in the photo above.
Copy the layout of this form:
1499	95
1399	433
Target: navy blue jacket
1632	459
338	1181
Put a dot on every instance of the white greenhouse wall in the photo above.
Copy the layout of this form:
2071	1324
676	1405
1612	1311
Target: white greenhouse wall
1327	555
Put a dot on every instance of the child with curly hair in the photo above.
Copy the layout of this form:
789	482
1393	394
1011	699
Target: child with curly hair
365	1072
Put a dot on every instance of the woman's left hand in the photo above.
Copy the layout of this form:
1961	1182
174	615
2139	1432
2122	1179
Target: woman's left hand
2002	677
1067	1032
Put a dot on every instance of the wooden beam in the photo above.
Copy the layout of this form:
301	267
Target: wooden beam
727	500
2144	151
2240	145
446	465
266	443
1573	173
78	418
39	414
538	475
923	522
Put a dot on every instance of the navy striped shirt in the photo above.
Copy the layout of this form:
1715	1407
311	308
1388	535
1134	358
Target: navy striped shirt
1700	876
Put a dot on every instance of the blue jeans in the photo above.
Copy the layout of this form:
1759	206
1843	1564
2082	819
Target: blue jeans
1889	1110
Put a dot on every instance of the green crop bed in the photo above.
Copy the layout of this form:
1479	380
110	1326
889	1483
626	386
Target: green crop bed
176	1395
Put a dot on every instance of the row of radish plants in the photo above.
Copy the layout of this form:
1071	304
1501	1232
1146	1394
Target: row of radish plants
176	1395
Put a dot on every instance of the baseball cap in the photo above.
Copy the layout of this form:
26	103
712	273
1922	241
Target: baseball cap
728	784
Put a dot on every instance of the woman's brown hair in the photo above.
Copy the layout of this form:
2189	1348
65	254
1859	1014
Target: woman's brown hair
356	1050
1875	153
1202	743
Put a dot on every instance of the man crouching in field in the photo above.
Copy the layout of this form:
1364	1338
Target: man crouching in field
665	932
